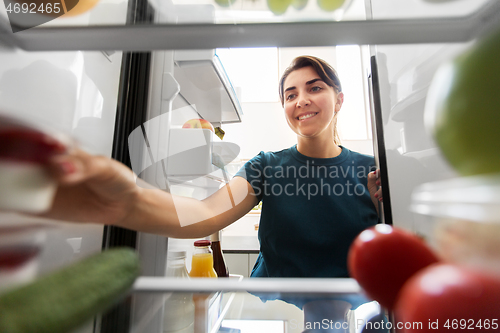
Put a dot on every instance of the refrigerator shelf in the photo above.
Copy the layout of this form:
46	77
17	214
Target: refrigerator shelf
206	85
189	36
311	286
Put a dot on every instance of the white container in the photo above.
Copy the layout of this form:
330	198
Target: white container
20	248
25	187
464	217
190	152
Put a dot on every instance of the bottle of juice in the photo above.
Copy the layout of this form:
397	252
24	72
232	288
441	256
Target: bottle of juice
202	263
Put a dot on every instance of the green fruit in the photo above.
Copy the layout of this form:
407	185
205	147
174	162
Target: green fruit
64	300
225	3
330	5
463	109
299	4
278	7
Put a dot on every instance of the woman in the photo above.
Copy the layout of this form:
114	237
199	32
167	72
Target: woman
317	196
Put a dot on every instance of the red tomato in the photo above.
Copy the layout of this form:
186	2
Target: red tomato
449	298
382	258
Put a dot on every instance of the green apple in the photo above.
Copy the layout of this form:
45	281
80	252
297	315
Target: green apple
225	3
463	109
330	5
278	7
299	4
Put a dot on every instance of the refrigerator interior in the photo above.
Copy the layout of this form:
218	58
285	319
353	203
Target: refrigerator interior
46	71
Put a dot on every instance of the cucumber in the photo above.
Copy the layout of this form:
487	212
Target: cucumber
68	298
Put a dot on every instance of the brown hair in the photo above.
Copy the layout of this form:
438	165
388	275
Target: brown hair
325	71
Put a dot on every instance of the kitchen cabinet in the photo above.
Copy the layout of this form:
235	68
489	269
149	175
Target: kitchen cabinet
237	263
240	263
240	253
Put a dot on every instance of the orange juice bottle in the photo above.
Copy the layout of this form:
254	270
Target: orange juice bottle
202	263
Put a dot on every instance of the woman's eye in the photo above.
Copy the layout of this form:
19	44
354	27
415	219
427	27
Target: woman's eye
289	97
316	88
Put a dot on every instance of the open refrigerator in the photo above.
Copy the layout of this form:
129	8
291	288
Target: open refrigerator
133	71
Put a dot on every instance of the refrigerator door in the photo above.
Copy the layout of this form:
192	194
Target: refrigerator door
74	93
401	75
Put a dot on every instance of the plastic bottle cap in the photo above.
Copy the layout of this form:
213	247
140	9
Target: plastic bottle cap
178	254
215	237
203	242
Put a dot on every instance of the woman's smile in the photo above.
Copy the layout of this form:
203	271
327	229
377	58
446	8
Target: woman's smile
307	115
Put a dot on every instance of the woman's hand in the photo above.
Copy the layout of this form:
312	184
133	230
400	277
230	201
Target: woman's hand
91	188
374	187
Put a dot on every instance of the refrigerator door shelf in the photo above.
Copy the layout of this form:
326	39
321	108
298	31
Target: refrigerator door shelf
190	152
20	250
206	86
461	217
429	26
195	159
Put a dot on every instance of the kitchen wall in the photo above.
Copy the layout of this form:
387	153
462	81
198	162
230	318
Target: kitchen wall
264	127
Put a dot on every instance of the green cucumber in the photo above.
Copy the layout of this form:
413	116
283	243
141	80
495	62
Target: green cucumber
68	298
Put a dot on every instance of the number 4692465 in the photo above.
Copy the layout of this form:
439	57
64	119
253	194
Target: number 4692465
470	324
33	8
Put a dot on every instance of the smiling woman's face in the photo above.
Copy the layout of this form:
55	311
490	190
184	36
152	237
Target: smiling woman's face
310	104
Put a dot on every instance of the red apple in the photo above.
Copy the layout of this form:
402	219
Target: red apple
80	7
198	123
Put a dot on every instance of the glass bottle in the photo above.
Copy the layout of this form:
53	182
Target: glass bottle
179	308
202	263
219	262
176	264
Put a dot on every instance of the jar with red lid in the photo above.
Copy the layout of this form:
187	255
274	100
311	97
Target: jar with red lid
202	263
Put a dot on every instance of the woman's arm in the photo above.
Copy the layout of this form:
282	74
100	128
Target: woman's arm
96	189
181	217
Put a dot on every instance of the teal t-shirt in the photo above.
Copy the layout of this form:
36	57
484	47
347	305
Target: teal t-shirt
312	209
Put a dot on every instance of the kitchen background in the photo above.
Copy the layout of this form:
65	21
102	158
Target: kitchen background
255	75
